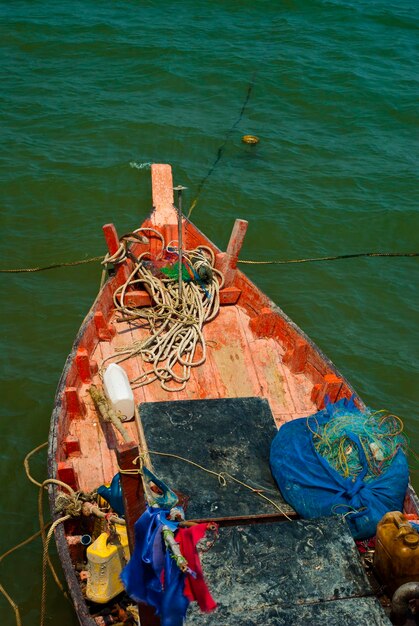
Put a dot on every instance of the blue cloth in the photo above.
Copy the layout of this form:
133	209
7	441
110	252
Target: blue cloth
142	576
314	488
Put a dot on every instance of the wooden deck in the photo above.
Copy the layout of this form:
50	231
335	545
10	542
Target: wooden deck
253	349
238	364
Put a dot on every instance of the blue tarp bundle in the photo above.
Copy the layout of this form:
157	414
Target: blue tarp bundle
314	488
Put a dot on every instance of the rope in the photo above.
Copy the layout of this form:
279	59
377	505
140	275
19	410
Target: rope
3	556
106	259
26	463
46	540
221	149
41	532
174	324
329	258
221	476
45	557
50	267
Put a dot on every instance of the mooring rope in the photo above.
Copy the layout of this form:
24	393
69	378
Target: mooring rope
21	270
68	505
221	149
23	543
330	258
103	259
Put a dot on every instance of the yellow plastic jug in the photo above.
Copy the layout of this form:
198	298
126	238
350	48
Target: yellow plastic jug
396	559
105	561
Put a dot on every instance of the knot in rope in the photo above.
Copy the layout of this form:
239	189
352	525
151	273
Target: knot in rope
69	504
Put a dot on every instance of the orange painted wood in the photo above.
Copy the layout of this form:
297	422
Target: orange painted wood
274	382
104	330
170	234
229	295
126	336
344	392
287	392
264	324
96	463
71	446
113	243
66	474
132	487
105	303
111	238
75	405
253	349
205	380
89	339
330	386
162	195
296	356
231	356
86	367
91	465
227	261
137	298
73	379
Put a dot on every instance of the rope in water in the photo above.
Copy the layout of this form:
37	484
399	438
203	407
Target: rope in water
21	270
331	258
68	505
23	543
222	148
174	324
45	540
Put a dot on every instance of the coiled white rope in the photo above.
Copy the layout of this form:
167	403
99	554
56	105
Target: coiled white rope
174	324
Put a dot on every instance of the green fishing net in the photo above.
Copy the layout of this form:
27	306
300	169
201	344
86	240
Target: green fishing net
380	435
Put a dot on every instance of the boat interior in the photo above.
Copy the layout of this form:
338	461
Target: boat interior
210	440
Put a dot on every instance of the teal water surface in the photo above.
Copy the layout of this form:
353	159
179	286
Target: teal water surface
88	88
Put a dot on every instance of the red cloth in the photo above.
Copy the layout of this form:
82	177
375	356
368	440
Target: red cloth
195	588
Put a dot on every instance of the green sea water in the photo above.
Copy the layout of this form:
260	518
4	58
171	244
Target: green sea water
88	88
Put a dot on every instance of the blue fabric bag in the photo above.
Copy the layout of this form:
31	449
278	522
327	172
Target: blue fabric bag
315	489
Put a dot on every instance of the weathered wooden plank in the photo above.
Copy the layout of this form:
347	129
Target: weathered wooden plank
231	355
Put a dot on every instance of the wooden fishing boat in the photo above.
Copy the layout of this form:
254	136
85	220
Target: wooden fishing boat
257	371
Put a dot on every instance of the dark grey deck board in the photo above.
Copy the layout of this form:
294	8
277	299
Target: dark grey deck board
230	435
350	612
300	572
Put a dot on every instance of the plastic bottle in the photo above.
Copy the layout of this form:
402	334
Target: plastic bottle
118	390
396	559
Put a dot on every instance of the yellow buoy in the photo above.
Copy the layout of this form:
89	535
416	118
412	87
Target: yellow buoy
252	139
